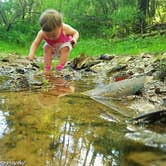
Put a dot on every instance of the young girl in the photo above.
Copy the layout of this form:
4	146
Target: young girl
59	39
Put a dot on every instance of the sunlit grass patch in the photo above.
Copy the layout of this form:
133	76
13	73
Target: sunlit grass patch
95	47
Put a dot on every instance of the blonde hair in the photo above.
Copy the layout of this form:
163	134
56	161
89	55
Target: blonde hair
50	19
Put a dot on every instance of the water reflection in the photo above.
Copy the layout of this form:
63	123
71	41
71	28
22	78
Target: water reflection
63	132
60	86
3	124
57	127
79	146
148	138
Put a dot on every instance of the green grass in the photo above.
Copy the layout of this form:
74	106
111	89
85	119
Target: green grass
95	47
129	46
7	47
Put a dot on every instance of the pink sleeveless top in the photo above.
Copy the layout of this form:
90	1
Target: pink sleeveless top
61	39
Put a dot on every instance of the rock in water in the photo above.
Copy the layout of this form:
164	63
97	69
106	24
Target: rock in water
152	117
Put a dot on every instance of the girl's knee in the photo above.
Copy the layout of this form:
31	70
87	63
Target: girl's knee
46	48
65	50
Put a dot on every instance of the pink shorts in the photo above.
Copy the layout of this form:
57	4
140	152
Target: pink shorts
56	49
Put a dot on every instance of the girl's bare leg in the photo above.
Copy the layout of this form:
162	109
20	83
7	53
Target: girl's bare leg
47	57
64	53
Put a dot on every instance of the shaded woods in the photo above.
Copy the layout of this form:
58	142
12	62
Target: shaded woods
101	18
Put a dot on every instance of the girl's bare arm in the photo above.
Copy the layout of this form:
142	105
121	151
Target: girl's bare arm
68	30
35	45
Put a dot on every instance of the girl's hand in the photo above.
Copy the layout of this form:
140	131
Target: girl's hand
73	42
31	57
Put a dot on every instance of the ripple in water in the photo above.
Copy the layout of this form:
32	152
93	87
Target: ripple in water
3	124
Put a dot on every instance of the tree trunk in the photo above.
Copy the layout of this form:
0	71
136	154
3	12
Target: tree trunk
143	6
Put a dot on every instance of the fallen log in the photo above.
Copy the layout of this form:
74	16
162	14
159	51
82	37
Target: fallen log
107	94
119	89
119	108
161	32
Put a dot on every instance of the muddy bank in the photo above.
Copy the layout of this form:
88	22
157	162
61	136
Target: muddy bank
102	72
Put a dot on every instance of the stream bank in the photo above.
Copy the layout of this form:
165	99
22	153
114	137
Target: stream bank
18	74
53	119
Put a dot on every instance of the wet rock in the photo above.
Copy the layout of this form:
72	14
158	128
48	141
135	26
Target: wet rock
162	75
5	60
17	73
153	117
5	82
164	102
83	62
80	62
106	57
20	70
143	55
35	65
161	69
160	91
100	68
20	82
143	106
117	68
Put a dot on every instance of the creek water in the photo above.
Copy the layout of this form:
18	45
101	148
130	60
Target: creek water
60	126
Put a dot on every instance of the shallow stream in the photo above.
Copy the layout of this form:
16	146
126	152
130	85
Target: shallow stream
62	127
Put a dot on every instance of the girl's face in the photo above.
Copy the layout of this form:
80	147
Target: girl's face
53	34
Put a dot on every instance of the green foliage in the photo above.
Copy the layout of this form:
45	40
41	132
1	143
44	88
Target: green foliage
160	12
122	20
94	47
123	15
16	37
18	21
14	11
93	19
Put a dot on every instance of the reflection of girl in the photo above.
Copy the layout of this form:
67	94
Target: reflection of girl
60	87
59	39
